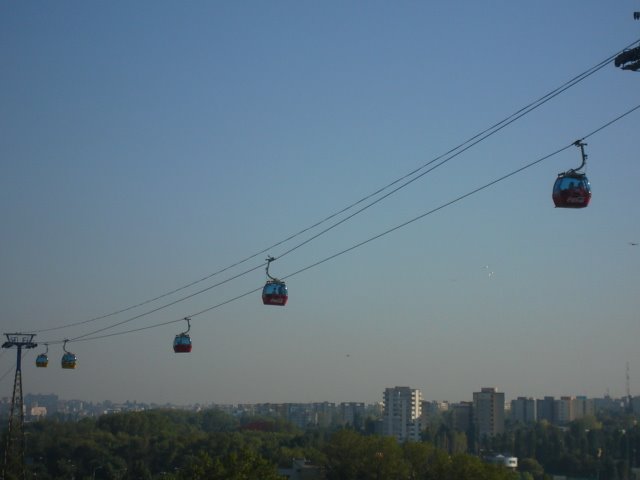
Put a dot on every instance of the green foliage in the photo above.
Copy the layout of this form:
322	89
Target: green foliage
143	445
351	456
603	447
243	464
176	445
532	467
467	467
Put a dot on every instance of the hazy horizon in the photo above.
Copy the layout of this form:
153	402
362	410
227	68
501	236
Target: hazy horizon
337	402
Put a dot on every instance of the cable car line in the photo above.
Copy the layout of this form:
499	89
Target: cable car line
331	257
419	217
162	307
107	335
487	133
75	324
452	153
619	117
462	148
472	192
88	337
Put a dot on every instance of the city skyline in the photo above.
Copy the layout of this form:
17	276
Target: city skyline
403	413
431	399
149	148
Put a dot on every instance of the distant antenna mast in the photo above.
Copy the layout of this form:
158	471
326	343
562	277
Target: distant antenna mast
628	383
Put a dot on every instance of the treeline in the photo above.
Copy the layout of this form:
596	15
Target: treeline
173	444
169	444
605	448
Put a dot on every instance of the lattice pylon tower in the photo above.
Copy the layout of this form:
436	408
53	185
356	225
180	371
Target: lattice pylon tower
13	465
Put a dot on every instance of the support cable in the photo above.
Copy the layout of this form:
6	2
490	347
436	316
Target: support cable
93	336
452	153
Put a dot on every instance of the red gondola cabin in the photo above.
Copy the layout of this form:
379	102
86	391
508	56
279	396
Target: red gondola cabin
571	190
275	293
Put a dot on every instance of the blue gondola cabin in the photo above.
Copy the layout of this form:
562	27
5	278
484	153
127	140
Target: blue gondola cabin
69	360
182	343
42	361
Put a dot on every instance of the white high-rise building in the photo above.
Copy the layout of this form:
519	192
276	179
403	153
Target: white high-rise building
565	410
401	415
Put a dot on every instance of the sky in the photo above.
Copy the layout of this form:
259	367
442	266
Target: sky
148	145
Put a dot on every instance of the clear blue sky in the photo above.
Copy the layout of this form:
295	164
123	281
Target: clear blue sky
148	144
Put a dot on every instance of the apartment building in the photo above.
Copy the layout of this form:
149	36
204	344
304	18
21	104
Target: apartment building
401	414
523	410
488	412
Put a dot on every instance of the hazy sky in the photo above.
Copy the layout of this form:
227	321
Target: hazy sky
146	145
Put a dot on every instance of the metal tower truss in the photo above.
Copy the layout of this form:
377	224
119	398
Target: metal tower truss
13	464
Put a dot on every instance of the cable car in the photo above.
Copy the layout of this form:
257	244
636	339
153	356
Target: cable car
629	59
572	188
182	342
69	360
42	360
275	291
